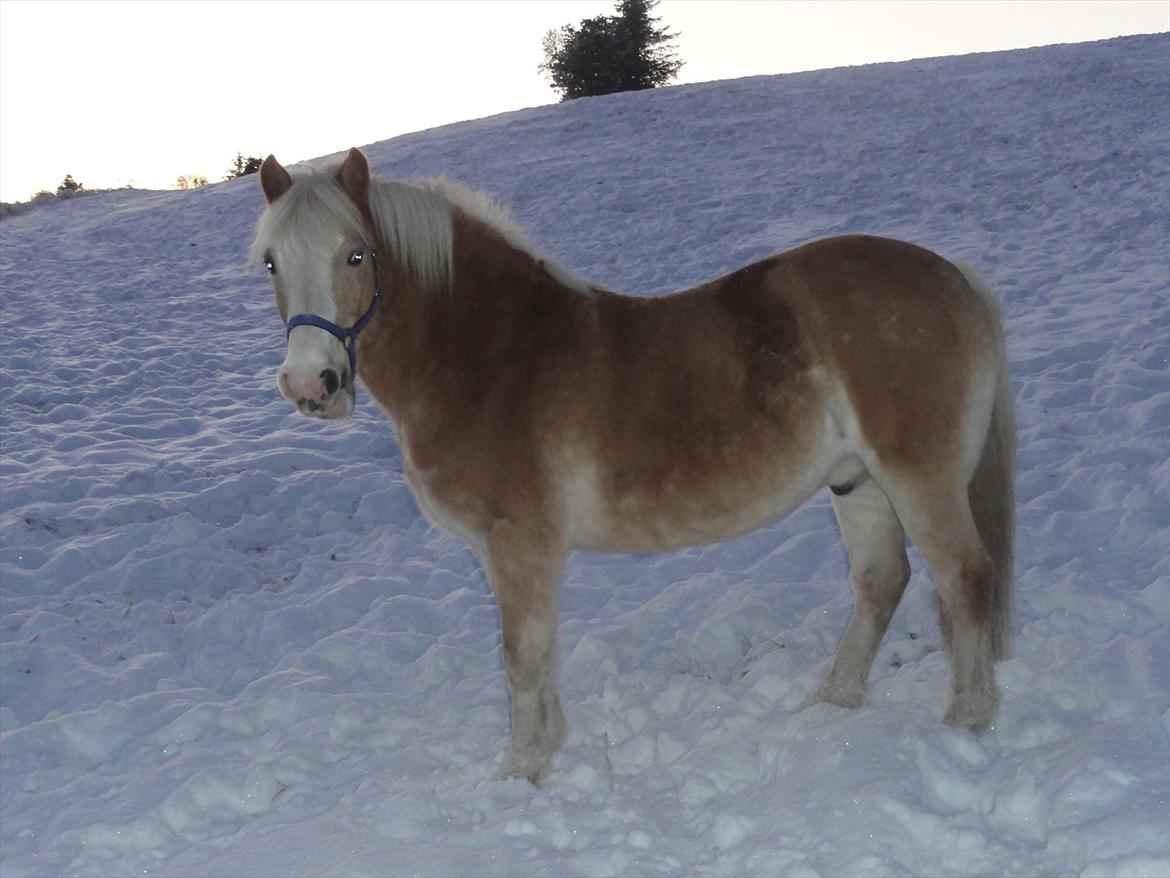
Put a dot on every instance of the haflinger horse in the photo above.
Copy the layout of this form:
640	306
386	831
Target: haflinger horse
538	414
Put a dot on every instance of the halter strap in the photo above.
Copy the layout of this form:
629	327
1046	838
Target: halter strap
347	337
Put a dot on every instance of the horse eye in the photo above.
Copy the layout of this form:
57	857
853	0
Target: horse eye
270	265
355	258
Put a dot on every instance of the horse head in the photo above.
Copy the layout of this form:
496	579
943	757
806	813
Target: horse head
316	240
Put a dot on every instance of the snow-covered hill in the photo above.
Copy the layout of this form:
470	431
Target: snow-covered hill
231	646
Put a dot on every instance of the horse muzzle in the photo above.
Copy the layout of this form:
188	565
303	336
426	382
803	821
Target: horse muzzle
328	395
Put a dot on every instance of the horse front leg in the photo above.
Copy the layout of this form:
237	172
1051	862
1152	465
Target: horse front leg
525	571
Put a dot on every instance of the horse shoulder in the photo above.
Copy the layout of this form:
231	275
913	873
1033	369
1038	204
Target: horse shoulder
482	445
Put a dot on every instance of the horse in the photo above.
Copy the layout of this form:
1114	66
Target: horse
539	414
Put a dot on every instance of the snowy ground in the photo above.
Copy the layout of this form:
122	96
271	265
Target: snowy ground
230	645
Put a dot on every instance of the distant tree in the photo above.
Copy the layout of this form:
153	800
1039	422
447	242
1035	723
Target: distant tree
581	61
69	185
244	166
189	181
611	53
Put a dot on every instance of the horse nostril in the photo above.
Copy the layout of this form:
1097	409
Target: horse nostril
332	381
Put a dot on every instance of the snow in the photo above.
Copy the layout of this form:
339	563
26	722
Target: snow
231	645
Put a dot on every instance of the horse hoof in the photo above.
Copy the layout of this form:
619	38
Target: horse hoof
523	766
841	696
974	717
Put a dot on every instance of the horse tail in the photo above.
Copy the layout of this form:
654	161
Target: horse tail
991	491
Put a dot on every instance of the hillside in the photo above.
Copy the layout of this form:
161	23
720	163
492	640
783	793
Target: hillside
231	646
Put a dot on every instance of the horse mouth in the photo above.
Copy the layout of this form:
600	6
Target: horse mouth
340	406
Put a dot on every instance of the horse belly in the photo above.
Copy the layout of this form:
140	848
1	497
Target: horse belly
664	529
683	510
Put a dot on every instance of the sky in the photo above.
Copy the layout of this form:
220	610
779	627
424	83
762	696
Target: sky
139	93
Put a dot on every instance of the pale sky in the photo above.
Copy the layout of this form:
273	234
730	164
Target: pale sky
137	93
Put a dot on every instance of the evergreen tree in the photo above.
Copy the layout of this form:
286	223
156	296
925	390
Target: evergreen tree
607	54
69	185
244	166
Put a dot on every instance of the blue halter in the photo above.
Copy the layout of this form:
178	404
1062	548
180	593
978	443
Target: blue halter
347	337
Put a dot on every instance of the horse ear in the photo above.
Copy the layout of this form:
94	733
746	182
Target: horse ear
274	179
354	176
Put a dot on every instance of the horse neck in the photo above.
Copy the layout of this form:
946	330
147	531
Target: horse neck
440	350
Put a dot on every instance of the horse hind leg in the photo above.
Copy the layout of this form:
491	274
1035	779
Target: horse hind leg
942	527
879	572
525	578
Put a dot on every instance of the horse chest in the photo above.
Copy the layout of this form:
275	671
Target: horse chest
444	507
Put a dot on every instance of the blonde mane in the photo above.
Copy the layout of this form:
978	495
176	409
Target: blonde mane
414	222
